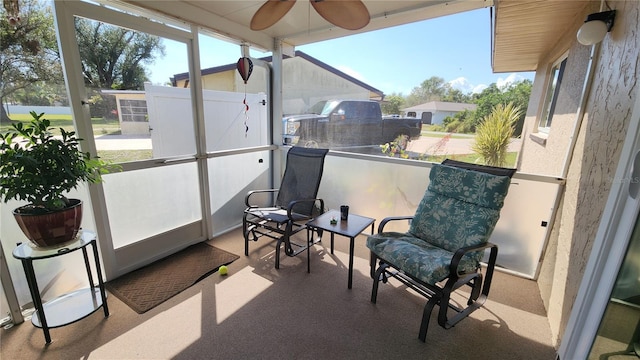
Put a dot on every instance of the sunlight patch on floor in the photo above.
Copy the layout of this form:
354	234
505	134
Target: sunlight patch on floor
235	293
172	339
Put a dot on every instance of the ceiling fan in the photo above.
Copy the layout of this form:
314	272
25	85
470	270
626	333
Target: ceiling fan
347	14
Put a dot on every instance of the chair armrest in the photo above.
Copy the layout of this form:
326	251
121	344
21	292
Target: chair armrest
295	202
455	260
392	218
247	199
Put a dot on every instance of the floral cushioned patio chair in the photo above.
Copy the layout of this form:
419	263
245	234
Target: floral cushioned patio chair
446	240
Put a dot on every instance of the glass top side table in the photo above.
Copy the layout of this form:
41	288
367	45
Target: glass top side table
71	307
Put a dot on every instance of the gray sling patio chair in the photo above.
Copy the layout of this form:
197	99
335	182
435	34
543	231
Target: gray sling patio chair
446	240
292	205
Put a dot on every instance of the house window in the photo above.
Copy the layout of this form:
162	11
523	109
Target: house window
133	110
551	96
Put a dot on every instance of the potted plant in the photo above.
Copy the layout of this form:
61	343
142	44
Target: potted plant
40	168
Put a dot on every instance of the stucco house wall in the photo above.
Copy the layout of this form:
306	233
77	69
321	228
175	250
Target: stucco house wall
540	147
230	80
305	82
224	81
598	145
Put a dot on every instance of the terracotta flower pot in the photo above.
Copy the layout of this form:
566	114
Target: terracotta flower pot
53	228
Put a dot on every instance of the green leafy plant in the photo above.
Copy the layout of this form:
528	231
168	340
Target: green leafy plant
396	147
494	134
40	168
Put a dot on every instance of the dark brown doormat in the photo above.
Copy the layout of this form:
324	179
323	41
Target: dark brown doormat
148	287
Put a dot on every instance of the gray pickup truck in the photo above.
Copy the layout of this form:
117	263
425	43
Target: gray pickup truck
344	123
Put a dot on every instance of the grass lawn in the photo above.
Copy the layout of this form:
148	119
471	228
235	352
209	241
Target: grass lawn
427	130
121	156
473	158
101	126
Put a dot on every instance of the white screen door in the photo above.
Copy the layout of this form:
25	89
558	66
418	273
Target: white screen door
155	205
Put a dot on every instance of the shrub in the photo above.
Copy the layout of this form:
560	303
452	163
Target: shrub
494	134
38	167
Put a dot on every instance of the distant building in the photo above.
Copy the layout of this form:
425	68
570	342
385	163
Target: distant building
435	112
306	79
132	111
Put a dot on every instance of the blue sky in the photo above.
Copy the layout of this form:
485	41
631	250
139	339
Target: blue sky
456	48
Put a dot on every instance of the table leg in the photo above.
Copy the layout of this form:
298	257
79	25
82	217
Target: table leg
37	300
351	245
331	243
309	242
88	267
103	291
373	257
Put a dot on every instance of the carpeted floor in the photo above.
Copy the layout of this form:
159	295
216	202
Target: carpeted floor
258	312
150	286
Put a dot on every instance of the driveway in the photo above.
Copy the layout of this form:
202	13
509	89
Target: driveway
123	142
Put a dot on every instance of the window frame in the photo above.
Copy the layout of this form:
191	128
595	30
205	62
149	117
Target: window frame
131	110
554	82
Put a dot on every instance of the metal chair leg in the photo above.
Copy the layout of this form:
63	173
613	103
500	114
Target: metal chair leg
372	263
426	316
376	281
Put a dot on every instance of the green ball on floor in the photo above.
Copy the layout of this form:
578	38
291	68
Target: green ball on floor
223	270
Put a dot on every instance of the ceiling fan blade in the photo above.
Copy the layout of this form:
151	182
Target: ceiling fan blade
269	13
347	14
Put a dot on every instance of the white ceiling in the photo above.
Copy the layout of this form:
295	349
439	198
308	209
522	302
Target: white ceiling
523	30
526	31
301	25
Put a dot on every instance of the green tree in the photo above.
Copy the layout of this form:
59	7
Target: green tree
432	89
436	89
42	93
461	122
392	104
494	134
114	57
29	58
455	95
517	93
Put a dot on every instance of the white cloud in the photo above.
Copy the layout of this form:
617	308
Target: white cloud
510	79
461	84
478	88
465	86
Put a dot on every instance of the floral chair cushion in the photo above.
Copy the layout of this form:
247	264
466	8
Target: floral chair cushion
416	257
460	208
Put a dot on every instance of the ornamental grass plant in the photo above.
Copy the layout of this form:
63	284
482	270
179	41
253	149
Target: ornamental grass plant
494	134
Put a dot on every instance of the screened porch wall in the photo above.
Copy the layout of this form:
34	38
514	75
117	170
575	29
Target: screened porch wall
370	185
